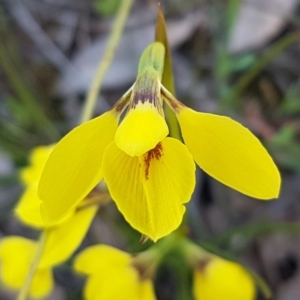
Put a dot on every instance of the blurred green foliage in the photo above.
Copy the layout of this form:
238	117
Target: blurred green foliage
107	7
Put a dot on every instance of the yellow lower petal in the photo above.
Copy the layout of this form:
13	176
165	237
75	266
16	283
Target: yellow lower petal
112	275
31	174
74	166
146	290
64	239
230	153
28	208
111	284
125	286
16	254
96	258
150	190
222	279
141	130
42	284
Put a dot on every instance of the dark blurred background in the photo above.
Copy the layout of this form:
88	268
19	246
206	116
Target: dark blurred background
238	58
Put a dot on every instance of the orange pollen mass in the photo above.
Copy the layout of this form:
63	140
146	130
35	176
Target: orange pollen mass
155	153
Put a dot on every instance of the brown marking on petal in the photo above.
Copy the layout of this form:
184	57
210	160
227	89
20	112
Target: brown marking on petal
120	106
123	102
147	89
175	104
155	153
145	264
144	272
144	238
203	263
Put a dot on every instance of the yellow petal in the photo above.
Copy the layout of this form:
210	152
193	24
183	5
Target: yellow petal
222	279
126	285
31	174
230	153
28	208
109	284
74	166
103	263
42	283
16	254
97	258
146	290
150	190
65	238
142	129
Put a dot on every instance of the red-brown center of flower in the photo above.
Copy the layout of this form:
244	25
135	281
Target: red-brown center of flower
155	153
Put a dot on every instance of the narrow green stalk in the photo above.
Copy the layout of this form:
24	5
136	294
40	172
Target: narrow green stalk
232	13
38	254
167	76
261	284
106	60
101	199
149	260
193	253
169	243
169	248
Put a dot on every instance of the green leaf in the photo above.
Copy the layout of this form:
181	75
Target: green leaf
107	7
167	76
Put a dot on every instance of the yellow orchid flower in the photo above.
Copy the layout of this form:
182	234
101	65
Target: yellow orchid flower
218	278
61	239
16	253
103	263
149	175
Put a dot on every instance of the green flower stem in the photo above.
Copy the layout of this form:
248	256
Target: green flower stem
101	199
175	241
173	124
169	243
170	250
167	76
193	253
148	261
36	259
106	60
261	284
